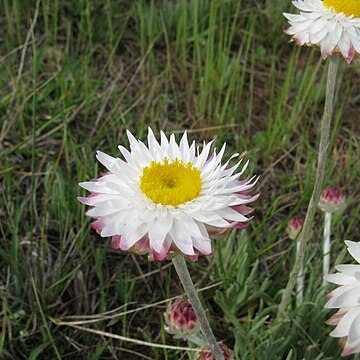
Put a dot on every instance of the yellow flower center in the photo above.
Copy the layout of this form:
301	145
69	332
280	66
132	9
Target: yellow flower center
348	7
170	183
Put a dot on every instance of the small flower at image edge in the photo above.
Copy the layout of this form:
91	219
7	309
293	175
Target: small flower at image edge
181	319
167	198
332	25
205	353
346	298
332	200
294	226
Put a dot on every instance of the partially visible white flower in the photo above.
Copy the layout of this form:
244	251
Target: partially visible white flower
167	198
346	298
332	25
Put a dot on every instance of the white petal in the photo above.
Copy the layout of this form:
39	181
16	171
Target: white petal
98	187
154	146
354	249
203	156
158	230
354	331
182	238
130	238
348	269
173	150
203	245
344	296
164	141
344	325
105	159
230	214
212	219
339	278
184	148
134	144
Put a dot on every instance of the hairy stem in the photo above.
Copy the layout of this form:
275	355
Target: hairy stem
300	280
326	246
185	279
310	215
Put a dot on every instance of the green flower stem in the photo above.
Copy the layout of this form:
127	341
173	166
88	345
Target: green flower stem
185	279
310	215
326	246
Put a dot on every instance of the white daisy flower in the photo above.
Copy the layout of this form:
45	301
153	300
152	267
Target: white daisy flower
333	25
167	197
346	298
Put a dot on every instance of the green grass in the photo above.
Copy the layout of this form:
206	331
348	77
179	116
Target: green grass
220	68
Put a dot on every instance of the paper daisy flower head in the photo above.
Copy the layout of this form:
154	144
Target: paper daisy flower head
346	298
332	25
167	198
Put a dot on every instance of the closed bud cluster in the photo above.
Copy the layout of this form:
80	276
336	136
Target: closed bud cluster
180	318
332	200
206	354
295	225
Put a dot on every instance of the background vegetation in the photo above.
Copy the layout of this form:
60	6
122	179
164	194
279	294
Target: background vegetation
73	76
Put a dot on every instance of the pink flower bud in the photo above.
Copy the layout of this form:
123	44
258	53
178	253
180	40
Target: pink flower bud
206	354
332	199
295	225
181	319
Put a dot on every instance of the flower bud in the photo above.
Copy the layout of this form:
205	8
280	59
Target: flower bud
206	354
181	319
332	199
295	225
